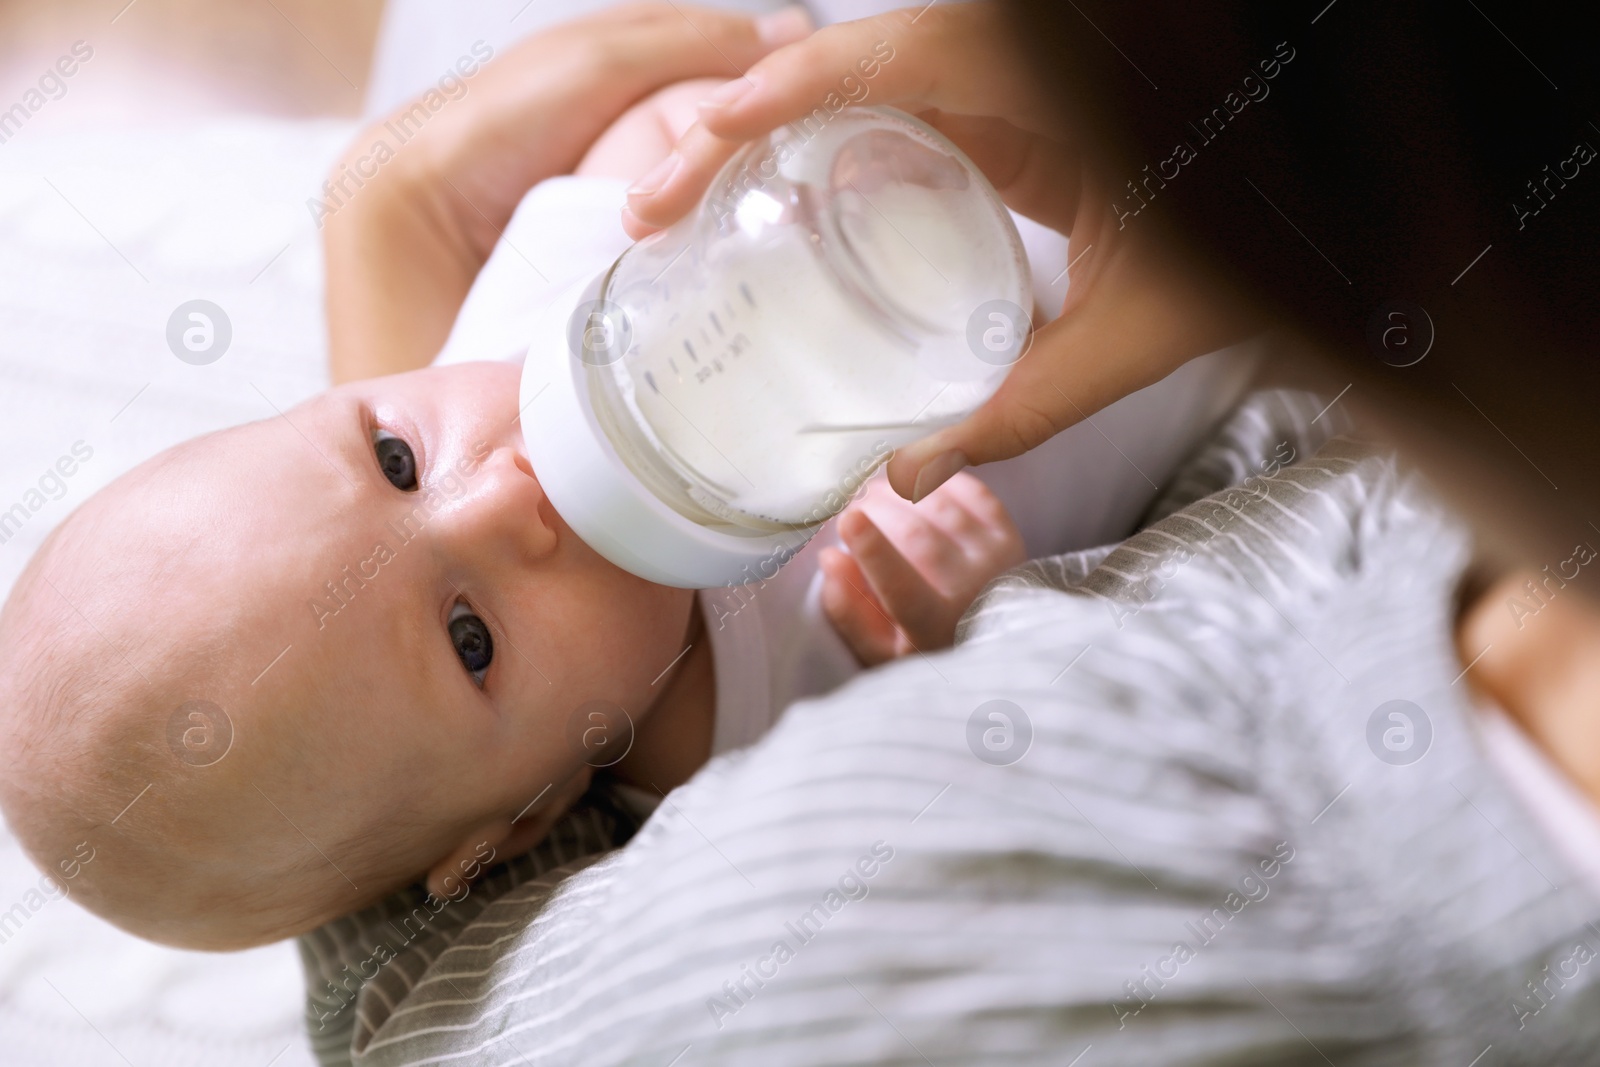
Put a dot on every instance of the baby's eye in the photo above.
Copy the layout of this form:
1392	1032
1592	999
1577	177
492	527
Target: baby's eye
395	460
470	636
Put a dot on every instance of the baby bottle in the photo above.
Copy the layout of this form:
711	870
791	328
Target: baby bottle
849	284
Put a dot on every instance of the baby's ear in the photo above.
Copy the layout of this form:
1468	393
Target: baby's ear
501	839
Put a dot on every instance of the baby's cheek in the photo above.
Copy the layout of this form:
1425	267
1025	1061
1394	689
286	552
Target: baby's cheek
645	133
627	149
677	107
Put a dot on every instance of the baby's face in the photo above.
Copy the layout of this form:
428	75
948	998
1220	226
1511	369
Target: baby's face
440	599
412	626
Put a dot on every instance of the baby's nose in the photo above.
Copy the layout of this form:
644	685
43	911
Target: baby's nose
499	513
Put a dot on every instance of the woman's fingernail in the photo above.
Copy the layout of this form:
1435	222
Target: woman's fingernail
636	227
936	472
656	176
727	95
782	27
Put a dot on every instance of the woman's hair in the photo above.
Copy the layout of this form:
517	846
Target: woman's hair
1394	179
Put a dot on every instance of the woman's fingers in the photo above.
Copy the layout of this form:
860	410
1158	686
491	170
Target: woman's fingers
1035	175
673	188
956	59
403	253
657	44
1137	319
538	107
1132	313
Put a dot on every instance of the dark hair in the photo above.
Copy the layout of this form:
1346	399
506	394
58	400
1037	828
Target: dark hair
1407	156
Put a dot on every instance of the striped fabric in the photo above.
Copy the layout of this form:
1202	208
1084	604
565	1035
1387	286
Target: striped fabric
1146	811
360	967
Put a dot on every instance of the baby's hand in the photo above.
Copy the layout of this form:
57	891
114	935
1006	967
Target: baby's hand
913	569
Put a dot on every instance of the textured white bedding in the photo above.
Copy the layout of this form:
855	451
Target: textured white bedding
102	235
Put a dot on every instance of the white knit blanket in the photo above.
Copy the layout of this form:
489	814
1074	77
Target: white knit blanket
102	235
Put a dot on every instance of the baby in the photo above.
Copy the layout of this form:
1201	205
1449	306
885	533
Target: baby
279	671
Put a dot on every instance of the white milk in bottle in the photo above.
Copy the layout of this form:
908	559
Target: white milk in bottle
846	287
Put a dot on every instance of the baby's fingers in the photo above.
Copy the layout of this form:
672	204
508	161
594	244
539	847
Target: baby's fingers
915	605
975	516
854	611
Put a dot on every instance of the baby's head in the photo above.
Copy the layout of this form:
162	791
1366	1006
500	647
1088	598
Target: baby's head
279	671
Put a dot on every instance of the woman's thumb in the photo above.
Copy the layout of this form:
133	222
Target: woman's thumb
1135	328
1026	411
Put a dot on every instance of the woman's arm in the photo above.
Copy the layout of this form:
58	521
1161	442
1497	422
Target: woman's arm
402	250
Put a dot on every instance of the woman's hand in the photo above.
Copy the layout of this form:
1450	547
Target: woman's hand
912	570
404	247
1132	314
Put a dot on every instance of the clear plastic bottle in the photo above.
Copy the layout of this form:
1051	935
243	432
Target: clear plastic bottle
812	316
849	284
